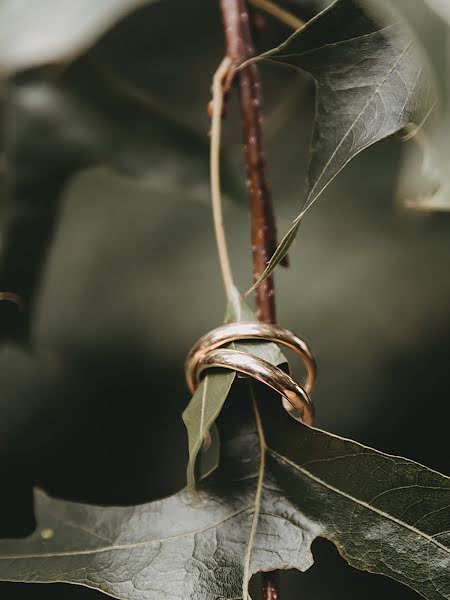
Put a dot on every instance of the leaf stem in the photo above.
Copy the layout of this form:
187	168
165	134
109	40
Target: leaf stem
216	195
279	13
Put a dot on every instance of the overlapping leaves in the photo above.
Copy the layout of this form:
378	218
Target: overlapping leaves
280	485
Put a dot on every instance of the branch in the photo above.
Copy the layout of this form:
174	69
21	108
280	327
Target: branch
263	230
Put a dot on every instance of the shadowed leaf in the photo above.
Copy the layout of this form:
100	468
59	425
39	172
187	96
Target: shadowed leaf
260	510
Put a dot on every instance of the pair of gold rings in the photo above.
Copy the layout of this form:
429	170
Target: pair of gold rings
209	353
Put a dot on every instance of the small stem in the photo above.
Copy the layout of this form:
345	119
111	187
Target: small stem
279	13
216	196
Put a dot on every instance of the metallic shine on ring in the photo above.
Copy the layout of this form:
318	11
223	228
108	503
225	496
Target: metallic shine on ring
296	400
233	332
14	298
207	353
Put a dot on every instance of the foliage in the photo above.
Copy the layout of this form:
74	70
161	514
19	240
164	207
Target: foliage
259	497
261	510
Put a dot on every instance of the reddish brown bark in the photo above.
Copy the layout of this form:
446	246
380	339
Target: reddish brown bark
263	230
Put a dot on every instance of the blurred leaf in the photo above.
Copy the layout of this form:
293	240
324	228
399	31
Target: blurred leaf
210	396
442	7
57	125
424	183
53	31
371	79
261	509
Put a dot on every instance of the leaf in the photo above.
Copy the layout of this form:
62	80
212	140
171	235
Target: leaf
424	183
57	124
210	396
280	485
33	34
280	252
371	79
441	7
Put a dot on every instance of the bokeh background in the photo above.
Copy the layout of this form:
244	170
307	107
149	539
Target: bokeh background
92	411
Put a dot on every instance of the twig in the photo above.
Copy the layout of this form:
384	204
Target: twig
279	13
216	196
240	48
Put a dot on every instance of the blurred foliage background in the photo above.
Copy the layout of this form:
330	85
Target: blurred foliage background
92	410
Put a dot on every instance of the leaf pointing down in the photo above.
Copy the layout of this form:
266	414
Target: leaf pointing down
372	80
280	485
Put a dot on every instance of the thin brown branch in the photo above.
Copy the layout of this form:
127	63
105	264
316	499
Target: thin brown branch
263	230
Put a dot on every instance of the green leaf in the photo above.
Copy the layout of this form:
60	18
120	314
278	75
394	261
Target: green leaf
49	31
424	183
442	7
280	252
372	80
210	396
280	485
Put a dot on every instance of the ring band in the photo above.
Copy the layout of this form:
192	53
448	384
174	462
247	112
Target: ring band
295	400
14	298
233	332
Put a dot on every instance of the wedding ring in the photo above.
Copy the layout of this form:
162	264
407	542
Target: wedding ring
14	298
295	400
233	332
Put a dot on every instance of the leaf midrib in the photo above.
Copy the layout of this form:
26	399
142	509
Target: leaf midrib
362	503
311	196
130	545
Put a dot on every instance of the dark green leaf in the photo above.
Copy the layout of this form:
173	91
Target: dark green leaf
372	80
280	252
260	510
50	31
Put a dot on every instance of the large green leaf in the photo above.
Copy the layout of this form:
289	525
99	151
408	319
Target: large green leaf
210	396
280	485
49	31
372	80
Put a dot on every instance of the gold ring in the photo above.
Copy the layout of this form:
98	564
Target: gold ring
233	332
14	298
295	400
